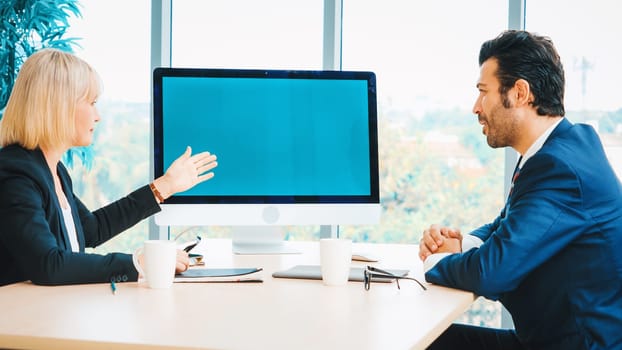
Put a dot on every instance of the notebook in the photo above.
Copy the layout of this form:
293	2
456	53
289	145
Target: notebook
314	272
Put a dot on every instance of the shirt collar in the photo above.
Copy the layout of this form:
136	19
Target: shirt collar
535	147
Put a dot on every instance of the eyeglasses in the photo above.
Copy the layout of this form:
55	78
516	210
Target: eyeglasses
371	272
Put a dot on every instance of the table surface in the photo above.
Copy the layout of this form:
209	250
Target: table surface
276	314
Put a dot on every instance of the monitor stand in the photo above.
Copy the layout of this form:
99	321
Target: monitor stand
260	240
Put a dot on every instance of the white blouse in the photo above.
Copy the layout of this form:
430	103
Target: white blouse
71	229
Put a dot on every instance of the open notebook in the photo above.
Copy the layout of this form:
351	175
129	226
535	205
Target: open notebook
314	272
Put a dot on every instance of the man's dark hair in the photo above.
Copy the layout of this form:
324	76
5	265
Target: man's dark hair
523	55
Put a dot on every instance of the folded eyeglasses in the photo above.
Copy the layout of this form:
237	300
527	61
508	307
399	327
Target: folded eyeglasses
371	272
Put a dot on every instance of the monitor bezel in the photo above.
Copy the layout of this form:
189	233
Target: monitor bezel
161	72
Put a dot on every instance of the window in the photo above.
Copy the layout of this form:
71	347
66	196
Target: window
587	37
115	41
272	34
435	164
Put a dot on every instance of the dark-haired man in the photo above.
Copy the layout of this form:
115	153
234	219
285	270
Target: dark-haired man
553	256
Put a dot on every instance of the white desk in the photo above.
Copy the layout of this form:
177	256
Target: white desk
275	314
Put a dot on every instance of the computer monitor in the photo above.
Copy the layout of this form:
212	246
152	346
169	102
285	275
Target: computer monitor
294	148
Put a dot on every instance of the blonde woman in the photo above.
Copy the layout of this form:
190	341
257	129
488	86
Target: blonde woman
44	226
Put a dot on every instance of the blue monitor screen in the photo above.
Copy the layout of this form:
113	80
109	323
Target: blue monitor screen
280	136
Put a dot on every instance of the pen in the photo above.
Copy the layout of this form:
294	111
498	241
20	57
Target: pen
189	248
113	286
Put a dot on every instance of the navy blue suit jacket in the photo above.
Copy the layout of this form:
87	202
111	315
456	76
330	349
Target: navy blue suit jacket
553	256
34	244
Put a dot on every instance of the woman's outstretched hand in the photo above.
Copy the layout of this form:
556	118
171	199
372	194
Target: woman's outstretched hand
185	172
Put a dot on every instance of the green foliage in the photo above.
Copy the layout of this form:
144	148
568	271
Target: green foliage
27	26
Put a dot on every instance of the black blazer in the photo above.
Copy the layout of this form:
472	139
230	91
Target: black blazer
34	244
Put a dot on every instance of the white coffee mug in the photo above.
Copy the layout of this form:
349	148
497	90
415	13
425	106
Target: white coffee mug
159	260
335	258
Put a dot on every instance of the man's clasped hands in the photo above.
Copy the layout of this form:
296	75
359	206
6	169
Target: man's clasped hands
437	239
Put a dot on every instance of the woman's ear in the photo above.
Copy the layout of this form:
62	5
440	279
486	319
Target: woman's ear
523	93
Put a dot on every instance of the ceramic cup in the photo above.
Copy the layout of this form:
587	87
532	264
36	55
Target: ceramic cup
335	258
159	260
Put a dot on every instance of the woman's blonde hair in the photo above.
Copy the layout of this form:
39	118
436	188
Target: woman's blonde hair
40	112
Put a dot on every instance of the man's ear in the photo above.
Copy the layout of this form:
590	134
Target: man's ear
523	93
